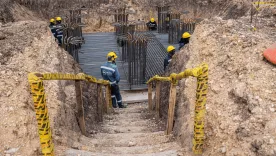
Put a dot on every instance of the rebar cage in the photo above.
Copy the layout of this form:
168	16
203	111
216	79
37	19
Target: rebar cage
72	34
163	19
177	28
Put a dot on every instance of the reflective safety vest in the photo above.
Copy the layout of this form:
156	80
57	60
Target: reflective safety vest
53	29
110	72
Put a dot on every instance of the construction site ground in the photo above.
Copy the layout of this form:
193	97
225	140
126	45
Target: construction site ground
240	117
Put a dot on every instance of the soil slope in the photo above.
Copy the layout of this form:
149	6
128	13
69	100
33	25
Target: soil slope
29	47
240	117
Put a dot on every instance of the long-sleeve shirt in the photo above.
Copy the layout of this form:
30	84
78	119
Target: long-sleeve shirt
152	25
59	30
183	42
53	29
167	61
110	72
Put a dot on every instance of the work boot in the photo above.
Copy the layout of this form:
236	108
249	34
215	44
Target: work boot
123	106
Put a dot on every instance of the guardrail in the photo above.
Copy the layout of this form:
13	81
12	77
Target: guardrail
39	99
201	73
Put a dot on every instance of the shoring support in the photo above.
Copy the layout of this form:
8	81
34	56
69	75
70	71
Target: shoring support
150	96
171	110
39	99
100	102
80	108
201	73
157	96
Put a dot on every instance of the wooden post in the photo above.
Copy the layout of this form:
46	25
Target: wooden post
157	100
107	99
80	109
171	109
150	96
100	102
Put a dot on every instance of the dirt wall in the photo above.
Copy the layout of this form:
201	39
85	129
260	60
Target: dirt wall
240	109
29	47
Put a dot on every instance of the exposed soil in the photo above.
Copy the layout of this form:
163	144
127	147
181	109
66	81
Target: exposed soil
29	47
240	106
130	131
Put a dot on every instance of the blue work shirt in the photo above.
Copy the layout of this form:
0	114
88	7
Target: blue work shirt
167	61
59	30
110	72
53	29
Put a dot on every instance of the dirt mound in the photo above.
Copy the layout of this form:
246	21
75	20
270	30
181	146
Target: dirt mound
240	117
12	12
29	47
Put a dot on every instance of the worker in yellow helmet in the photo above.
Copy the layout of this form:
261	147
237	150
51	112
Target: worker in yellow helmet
59	33
171	52
110	73
184	40
53	26
59	20
152	25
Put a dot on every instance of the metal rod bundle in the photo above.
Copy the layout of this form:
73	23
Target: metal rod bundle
188	25
72	34
163	20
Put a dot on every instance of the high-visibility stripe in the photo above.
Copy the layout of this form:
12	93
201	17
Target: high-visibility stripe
119	101
107	68
114	82
169	60
113	96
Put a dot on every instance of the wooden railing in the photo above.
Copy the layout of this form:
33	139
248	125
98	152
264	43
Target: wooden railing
201	73
39	98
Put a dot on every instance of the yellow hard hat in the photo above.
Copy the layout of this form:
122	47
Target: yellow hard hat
52	20
152	20
170	48
186	35
112	54
58	18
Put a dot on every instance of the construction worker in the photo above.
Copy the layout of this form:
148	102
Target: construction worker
59	32
152	25
171	52
184	40
110	72
53	27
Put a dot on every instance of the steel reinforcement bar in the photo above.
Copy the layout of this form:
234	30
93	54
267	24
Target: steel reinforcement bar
39	99
201	73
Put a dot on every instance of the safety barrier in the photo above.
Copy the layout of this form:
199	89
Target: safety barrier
39	99
201	73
